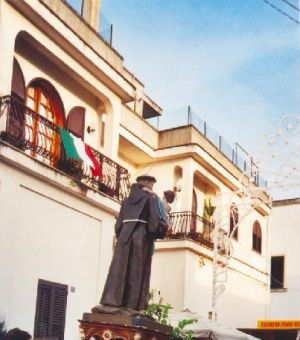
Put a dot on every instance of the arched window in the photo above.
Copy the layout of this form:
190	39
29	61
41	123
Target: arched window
234	220
177	178
256	237
177	187
40	132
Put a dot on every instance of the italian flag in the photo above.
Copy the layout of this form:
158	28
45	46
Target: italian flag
77	149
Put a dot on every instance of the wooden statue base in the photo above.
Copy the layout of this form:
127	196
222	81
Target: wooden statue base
101	326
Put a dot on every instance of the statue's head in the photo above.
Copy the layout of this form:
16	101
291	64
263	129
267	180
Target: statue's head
146	180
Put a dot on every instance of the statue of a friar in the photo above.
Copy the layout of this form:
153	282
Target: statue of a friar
138	225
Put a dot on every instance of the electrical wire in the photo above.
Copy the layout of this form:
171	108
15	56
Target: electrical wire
293	6
281	11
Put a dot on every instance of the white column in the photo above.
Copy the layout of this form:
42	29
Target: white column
187	185
91	12
112	129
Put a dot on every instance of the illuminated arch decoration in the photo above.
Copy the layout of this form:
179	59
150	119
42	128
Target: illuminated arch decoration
277	158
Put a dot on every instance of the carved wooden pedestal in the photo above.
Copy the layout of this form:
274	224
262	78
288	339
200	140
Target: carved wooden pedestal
96	326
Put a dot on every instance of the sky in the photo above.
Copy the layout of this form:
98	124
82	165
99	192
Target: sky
235	62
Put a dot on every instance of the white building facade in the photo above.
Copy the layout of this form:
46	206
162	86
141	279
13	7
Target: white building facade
57	217
285	287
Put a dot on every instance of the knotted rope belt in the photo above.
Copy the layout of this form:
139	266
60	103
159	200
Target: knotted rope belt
135	220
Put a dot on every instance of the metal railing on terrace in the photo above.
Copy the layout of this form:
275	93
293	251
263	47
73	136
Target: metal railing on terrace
105	28
236	154
188	225
39	138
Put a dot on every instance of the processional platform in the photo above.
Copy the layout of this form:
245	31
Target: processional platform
105	326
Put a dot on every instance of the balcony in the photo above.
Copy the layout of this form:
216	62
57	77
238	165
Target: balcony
39	138
187	225
184	127
139	127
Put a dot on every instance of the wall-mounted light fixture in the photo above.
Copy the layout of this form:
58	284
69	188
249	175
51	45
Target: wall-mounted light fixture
177	188
201	261
90	129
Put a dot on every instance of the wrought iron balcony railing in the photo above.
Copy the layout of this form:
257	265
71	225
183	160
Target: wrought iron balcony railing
187	225
40	138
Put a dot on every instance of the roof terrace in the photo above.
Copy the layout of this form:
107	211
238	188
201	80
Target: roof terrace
235	152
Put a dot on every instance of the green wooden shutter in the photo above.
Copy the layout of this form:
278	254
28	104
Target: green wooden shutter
50	310
43	309
59	311
76	121
17	82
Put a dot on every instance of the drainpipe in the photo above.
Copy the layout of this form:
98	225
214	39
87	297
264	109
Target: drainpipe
91	13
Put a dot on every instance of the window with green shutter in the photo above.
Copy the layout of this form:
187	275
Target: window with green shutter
50	311
256	237
76	121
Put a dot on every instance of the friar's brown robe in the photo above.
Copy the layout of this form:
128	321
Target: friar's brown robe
127	283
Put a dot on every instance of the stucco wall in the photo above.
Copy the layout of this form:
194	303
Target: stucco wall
285	242
63	69
242	249
47	233
245	301
183	275
78	252
167	276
